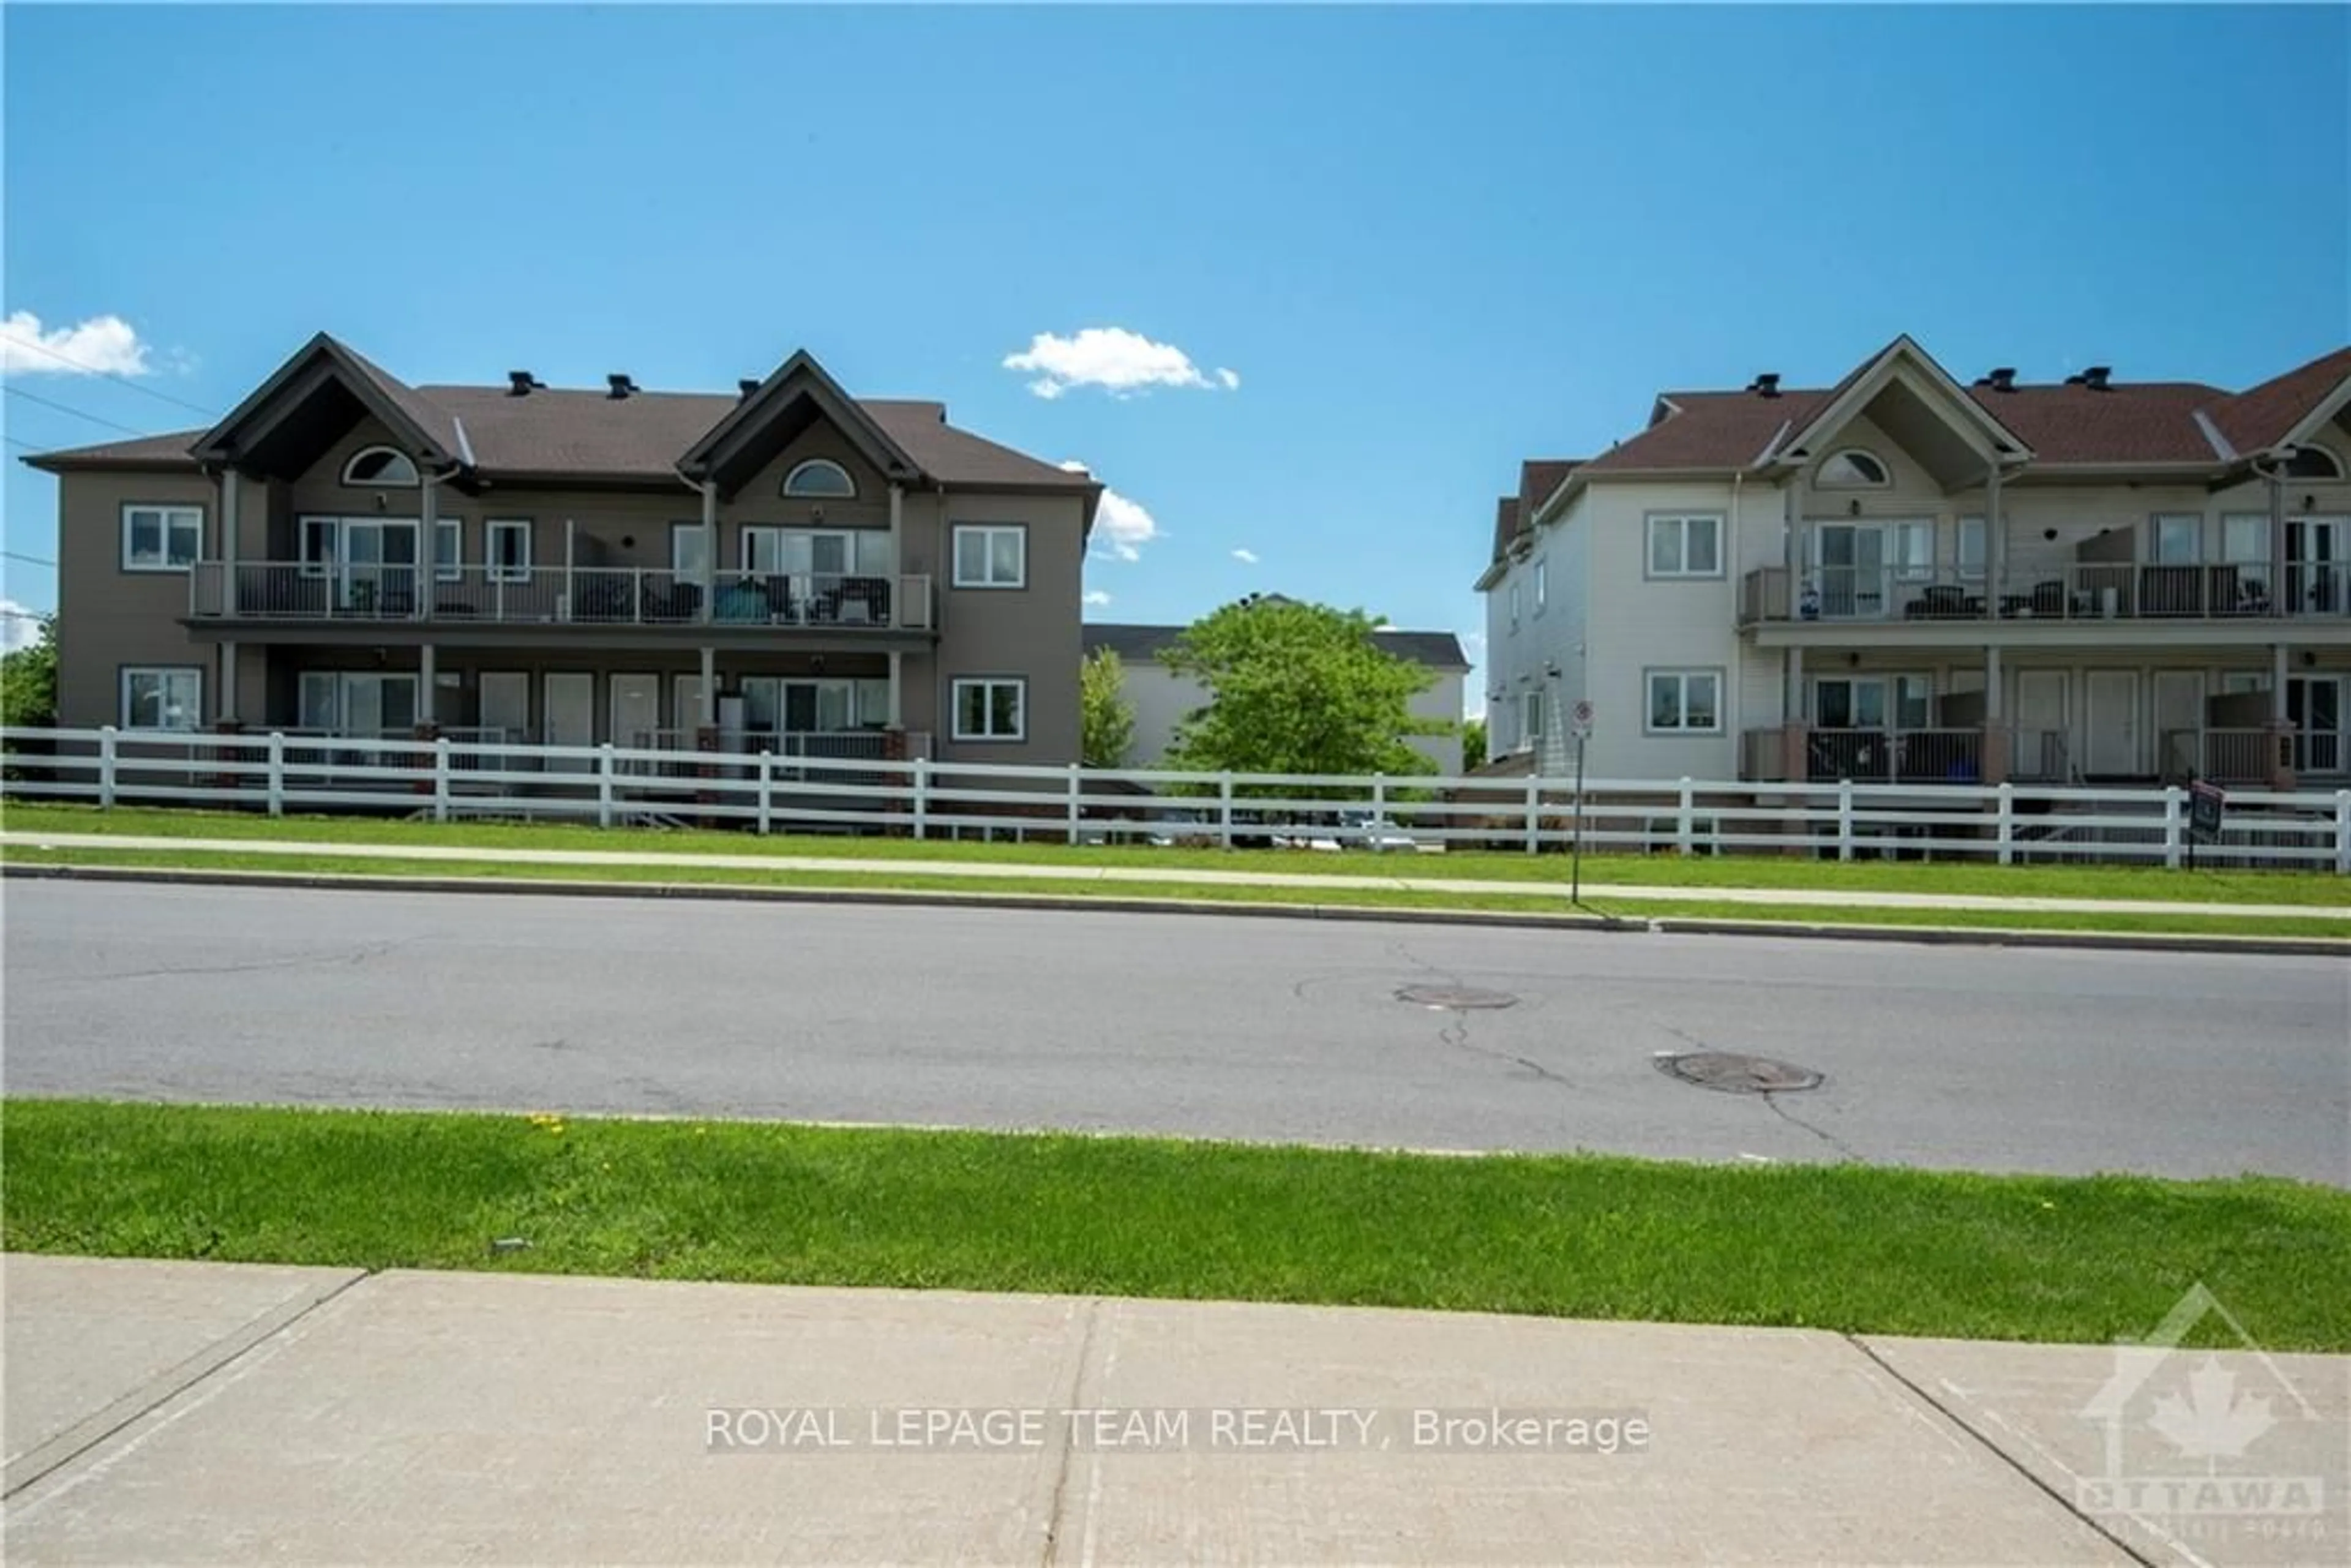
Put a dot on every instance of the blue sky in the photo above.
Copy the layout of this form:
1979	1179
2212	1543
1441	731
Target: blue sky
1426	242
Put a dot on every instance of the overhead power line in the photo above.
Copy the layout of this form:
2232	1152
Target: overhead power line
90	370
76	413
27	560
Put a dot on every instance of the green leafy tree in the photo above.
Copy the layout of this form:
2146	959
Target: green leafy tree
1105	719
28	680
1473	745
1297	688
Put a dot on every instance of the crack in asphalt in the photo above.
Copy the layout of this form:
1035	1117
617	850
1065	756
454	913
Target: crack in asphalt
1455	1033
352	955
1769	1097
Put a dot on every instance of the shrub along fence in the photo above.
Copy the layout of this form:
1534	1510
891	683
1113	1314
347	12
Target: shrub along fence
445	778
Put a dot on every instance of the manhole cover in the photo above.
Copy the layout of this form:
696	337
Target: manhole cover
1454	997
1735	1074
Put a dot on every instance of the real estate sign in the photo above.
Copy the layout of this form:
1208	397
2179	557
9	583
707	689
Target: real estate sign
2204	805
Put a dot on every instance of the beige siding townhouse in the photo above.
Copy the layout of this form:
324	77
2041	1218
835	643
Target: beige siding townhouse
783	568
1904	576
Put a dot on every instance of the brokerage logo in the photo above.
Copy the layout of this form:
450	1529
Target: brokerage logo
2192	1440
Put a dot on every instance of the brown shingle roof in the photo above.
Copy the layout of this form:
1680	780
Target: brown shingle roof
1142	644
2258	417
1538	477
589	434
1506	523
2141	422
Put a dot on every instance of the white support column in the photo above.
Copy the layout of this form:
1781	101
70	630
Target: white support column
2277	683
229	525
709	719
2278	605
897	706
225	701
428	548
709	566
1792	704
1791	550
428	682
1993	706
1995	541
897	532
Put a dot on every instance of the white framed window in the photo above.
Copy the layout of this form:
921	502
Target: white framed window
371	704
1514	602
1971	549
820	478
162	697
1531	717
448	550
506	542
991	708
2176	539
2313	463
801	552
991	555
689	551
1854	468
1684	701
1542	585
380	467
162	538
1684	544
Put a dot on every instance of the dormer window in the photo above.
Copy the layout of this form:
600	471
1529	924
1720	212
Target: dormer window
383	467
1853	469
2313	463
820	478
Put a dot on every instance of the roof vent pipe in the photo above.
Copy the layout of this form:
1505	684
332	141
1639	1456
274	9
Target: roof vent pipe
744	388
2097	378
621	384
520	382
1765	384
2002	377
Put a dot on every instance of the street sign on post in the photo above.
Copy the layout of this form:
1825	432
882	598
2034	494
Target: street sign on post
1583	718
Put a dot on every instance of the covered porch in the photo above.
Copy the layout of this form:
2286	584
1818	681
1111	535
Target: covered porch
2269	716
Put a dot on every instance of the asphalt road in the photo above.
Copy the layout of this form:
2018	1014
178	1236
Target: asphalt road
1952	1057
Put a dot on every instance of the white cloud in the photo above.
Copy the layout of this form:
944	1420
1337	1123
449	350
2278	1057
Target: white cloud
1097	597
1246	557
1126	524
1121	362
103	345
1120	522
20	626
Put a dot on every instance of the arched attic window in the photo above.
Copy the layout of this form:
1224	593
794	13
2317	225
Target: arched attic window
820	478
382	468
1853	469
2313	463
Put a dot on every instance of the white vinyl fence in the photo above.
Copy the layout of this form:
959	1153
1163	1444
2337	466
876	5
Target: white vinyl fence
489	776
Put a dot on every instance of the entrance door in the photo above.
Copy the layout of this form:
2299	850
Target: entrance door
636	710
506	713
570	706
2110	743
379	566
685	706
2179	721
2314	705
2318	565
2039	750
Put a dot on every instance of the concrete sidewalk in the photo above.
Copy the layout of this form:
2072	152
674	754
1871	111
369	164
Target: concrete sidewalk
1821	898
180	1412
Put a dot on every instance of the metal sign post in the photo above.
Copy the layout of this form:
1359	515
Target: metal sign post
1583	723
2206	802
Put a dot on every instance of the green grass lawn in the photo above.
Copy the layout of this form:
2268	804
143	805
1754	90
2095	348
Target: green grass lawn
1846	1247
1738	871
1550	902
